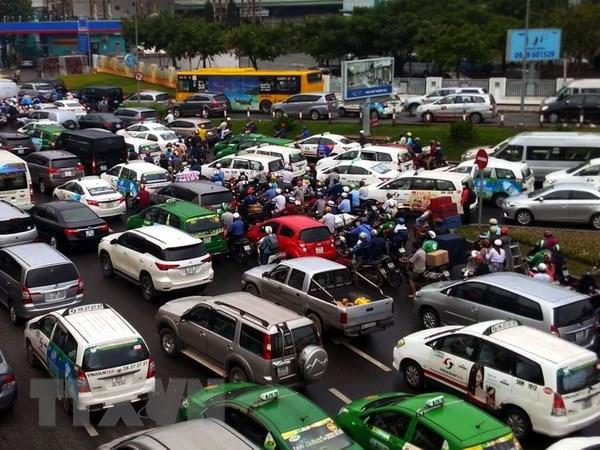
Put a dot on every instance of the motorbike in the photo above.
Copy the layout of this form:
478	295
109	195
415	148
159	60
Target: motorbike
431	274
242	250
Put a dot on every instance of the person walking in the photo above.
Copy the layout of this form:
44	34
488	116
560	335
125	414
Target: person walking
467	198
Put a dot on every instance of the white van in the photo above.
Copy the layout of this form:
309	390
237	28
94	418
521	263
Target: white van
290	156
8	88
414	191
143	147
588	85
15	181
501	178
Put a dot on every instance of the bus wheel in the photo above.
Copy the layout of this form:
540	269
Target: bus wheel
265	107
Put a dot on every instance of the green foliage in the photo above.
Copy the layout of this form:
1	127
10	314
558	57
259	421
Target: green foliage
258	41
16	9
284	120
462	132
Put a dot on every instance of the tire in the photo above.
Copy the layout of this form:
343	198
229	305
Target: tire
31	358
147	287
427	117
265	107
518	421
106	265
70	125
595	221
314	115
317	321
278	113
42	187
429	318
394	279
553	118
412	108
54	242
524	217
237	375
499	199
251	288
342	112
12	313
168	342
475	118
413	375
176	112
374	276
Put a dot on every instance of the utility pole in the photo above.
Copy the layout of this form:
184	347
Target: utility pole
137	82
524	68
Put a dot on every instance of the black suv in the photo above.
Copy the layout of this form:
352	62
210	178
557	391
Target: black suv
93	95
570	108
203	104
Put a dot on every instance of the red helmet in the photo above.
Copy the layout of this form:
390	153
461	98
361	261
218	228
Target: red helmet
251	190
504	231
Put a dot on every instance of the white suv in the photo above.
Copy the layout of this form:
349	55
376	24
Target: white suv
99	359
137	172
412	103
531	379
158	258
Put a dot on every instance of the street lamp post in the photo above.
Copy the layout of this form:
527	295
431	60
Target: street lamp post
524	69
135	21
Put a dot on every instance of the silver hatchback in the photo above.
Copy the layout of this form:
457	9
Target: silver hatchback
508	295
16	226
243	338
474	107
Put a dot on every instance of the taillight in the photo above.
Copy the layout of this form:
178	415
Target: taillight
71	231
267	349
26	296
554	330
9	381
79	286
151	368
122	199
343	317
207	259
82	382
108	124
52	170
162	266
92	202
104	227
79	166
558	406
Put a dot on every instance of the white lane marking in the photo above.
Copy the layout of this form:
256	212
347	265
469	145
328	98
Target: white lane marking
90	429
367	357
339	395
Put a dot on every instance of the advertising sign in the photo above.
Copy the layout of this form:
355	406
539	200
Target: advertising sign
366	78
543	44
83	35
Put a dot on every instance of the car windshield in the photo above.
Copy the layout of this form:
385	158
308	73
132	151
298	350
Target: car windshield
577	167
73	105
216	198
539	192
346	141
275	166
319	435
154	177
296	157
77	214
101	190
114	355
184	253
574	313
199	224
380	168
65	163
316	234
573	379
45	276
461	169
149	148
168	136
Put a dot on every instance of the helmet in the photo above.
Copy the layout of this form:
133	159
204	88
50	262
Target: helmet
344	195
547	233
374	233
362	235
346	189
498	243
401	220
474	254
392	204
362	131
292	199
218	165
542	267
278	191
408	133
402	250
331	203
268	229
342	239
327	209
493	221
236	215
387	217
504	231
431	234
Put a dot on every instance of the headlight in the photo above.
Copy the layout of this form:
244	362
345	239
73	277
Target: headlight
343	410
400	343
511	204
544	108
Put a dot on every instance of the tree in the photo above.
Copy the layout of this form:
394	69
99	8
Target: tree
206	39
325	38
256	41
16	9
232	15
581	34
209	11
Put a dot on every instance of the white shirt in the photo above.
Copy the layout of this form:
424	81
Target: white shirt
169	117
287	176
496	256
329	221
543	276
279	201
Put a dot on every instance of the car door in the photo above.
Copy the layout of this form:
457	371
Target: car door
65	192
6	280
572	107
382	428
421	190
275	280
41	337
35	164
451	359
462	303
591	107
356	174
57	358
191	105
399	188
444	108
127	254
220	337
590	174
552	206
239	165
193	327
490	379
112	175
582	205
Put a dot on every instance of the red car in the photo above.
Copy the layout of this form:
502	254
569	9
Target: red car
298	236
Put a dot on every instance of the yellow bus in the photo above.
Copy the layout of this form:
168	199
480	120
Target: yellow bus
248	88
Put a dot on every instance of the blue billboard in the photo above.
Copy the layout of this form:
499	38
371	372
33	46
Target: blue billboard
366	78
543	44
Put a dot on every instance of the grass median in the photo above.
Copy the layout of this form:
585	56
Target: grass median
129	85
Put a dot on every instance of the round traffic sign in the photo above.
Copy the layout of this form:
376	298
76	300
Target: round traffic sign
139	76
481	159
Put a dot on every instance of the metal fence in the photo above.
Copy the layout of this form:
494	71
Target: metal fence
533	88
411	86
452	82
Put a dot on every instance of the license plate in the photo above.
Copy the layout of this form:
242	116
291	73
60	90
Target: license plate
56	295
109	204
319	249
283	371
118	381
247	248
20	151
191	270
391	265
587	403
89	233
207	239
364	326
446	274
117	126
103	167
580	335
68	174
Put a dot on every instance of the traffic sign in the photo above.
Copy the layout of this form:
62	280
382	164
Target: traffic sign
481	159
139	76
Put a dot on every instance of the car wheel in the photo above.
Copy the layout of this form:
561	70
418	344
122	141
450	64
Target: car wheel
316	321
412	108
12	312
106	265
429	318
42	187
553	118
427	117
595	222
314	115
413	375
147	287
237	375
70	125
524	217
499	199
168	342
341	112
265	107
177	112
54	242
518	421
475	118
252	289
278	113
31	358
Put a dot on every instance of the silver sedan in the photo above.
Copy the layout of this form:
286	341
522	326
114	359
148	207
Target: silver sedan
562	202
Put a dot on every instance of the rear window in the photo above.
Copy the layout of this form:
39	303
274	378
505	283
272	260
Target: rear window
296	157
300	338
200	224
316	234
574	313
17	140
115	355
221	98
77	214
10	180
148	114
330	97
216	198
45	276
275	166
154	177
573	379
168	136
18	225
101	190
65	163
380	168
183	253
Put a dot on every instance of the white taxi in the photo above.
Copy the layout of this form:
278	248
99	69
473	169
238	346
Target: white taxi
136	172
162	138
586	172
143	147
233	166
394	157
324	144
97	369
94	192
290	156
531	379
136	128
353	172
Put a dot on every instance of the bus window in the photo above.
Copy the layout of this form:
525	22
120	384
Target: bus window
314	77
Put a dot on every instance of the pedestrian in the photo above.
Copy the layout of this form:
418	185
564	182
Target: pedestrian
418	264
362	138
143	198
170	117
496	257
467	198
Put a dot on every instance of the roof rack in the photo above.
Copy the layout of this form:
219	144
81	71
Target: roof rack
243	313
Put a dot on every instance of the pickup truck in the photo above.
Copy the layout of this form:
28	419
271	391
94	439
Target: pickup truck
328	293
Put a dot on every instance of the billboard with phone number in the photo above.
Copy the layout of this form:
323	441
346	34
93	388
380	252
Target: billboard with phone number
543	44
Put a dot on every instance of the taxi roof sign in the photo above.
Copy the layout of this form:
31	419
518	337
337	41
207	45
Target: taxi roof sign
432	403
269	395
502	326
85	308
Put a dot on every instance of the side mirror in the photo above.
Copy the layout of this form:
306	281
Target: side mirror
34	326
265	275
540	199
113	241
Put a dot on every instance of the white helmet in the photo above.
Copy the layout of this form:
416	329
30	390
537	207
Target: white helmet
342	239
542	267
498	243
346	189
402	250
331	203
291	199
278	191
362	235
268	229
474	253
218	165
362	131
344	195
431	234
373	232
236	215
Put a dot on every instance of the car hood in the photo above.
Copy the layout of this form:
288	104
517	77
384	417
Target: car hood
257	271
414	99
436	287
179	307
556	175
518	199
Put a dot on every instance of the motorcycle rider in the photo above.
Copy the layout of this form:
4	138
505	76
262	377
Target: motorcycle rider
378	246
344	206
267	245
279	201
328	220
362	227
235	231
418	264
430	244
361	250
400	234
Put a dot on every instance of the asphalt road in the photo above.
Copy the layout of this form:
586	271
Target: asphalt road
356	368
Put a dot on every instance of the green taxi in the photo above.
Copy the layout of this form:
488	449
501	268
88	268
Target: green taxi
426	421
44	137
272	417
238	142
189	217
